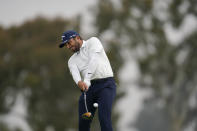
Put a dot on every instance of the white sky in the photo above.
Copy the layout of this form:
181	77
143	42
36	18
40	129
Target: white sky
16	11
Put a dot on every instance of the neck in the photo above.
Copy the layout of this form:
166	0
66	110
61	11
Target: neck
81	43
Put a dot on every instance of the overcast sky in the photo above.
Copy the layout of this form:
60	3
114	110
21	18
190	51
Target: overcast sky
16	11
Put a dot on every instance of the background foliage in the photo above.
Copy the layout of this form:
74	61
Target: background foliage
33	65
166	67
33	68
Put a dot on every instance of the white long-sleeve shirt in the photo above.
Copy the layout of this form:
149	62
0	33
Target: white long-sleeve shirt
90	62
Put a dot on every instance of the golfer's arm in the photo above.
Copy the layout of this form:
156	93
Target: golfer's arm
75	73
92	65
95	48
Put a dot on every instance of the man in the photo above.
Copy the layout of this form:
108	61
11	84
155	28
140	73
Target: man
92	72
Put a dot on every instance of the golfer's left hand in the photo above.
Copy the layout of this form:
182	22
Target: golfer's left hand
82	85
85	86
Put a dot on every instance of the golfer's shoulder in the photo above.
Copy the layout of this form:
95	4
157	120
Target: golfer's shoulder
93	41
71	60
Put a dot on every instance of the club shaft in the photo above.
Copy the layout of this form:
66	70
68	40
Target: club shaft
85	101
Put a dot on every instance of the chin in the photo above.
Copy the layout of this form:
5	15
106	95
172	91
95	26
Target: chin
76	50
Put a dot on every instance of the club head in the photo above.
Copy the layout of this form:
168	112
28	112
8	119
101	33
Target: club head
87	116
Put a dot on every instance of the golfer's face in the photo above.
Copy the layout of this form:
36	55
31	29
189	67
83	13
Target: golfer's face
73	45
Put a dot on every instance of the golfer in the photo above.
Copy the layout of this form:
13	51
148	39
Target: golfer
92	72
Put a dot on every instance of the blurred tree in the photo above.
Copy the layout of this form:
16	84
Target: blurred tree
168	67
32	65
3	127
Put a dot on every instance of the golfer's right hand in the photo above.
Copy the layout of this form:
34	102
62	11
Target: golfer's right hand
82	85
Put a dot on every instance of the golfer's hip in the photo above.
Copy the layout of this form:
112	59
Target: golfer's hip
101	80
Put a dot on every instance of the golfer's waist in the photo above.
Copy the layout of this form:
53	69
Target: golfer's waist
101	80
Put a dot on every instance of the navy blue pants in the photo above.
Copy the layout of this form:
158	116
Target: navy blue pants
101	91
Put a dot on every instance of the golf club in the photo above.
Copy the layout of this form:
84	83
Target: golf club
87	115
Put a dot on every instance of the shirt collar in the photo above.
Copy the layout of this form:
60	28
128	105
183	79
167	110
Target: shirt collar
82	46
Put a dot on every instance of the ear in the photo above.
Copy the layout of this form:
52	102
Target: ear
77	37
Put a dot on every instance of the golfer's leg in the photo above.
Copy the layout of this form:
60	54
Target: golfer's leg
106	97
84	125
